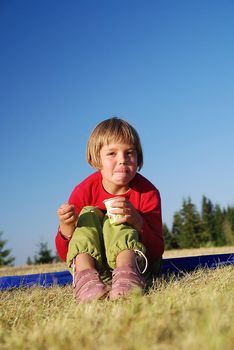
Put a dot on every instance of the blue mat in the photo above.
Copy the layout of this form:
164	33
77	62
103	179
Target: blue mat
169	266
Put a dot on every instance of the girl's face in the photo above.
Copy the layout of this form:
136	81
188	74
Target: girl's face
118	167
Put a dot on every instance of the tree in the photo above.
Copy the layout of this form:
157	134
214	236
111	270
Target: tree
191	227
227	232
29	261
228	226
218	236
5	258
43	256
230	217
208	222
177	227
169	238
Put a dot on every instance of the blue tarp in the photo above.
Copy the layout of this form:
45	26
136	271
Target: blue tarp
169	266
191	263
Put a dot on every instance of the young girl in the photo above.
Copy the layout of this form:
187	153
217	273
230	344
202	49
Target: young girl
96	250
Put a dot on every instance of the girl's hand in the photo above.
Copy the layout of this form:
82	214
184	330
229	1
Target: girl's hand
124	207
67	219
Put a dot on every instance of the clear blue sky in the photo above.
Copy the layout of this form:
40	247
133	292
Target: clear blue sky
166	66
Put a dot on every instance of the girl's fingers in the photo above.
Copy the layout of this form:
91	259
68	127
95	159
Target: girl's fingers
119	200
66	210
121	211
67	215
70	219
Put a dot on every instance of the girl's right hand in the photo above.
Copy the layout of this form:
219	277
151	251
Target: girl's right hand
67	219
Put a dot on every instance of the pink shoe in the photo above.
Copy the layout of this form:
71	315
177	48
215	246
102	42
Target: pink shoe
125	280
88	286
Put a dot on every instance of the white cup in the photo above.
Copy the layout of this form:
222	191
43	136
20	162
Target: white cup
114	218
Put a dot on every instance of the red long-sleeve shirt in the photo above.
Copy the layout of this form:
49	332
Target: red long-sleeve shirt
142	194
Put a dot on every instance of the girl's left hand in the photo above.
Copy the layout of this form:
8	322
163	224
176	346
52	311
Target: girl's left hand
124	207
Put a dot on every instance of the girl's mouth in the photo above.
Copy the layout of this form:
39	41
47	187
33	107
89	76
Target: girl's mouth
122	171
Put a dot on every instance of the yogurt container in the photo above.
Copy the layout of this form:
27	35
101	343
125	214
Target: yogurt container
114	218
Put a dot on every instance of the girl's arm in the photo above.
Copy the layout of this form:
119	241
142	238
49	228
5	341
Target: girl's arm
61	244
151	234
68	216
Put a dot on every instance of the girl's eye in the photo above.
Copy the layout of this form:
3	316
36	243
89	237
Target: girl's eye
111	154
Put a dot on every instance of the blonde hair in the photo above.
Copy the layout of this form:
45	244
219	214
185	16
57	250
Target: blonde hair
110	131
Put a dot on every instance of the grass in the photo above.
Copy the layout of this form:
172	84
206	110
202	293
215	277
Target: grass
194	312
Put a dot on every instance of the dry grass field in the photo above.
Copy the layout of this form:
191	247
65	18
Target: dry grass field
192	312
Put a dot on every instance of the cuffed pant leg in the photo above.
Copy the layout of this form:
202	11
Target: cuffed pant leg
88	237
118	238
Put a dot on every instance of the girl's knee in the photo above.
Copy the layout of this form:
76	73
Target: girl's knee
92	211
90	217
88	209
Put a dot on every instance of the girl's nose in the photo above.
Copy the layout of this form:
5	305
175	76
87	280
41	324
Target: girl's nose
122	159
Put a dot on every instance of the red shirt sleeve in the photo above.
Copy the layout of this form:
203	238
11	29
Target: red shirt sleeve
61	242
151	234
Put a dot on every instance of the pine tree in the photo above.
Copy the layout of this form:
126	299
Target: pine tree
43	256
208	222
191	228
227	232
167	237
228	226
29	261
5	258
230	217
177	227
218	236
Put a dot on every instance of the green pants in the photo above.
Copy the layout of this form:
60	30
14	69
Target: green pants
102	240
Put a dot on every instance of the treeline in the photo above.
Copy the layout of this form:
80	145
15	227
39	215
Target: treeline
44	255
212	226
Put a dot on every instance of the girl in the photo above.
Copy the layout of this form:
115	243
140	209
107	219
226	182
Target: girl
98	251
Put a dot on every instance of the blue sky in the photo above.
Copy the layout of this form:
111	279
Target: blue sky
165	66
